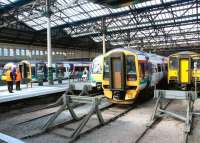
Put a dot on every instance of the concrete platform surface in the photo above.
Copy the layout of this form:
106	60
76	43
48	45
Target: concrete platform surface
27	92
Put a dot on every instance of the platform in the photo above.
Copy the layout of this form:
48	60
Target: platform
37	91
8	139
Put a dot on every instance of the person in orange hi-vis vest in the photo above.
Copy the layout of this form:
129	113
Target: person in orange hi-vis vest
9	79
18	78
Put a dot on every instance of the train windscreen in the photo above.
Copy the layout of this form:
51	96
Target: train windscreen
195	62
173	63
131	68
96	68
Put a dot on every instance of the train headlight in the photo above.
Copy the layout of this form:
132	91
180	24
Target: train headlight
131	77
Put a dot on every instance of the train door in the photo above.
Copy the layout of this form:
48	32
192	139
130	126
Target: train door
116	72
24	69
184	70
34	73
21	69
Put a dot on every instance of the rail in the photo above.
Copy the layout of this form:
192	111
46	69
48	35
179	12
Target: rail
66	103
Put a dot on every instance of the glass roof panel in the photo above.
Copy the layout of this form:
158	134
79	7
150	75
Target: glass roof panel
5	2
144	23
38	27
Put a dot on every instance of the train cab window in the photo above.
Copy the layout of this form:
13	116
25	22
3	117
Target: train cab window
106	69
130	68
173	62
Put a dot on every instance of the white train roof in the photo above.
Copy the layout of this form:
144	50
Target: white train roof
144	55
98	58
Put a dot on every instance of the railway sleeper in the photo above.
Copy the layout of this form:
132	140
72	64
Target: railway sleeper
66	102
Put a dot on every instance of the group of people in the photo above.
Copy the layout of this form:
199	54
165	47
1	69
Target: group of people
80	75
12	77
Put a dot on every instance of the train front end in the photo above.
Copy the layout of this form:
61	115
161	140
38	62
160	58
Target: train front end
96	72
184	69
120	80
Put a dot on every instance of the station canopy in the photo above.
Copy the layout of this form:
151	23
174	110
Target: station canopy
150	25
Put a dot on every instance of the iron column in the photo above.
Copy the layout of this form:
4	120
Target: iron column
49	51
128	39
104	35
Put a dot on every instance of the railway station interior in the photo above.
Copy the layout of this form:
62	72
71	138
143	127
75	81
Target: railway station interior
99	71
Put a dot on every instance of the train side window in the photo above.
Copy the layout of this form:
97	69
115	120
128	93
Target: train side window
106	69
33	70
166	67
163	67
150	68
154	69
159	68
142	70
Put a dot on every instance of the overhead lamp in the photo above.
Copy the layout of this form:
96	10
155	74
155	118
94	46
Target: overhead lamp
117	3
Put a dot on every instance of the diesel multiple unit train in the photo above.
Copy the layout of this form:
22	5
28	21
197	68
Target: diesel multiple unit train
184	69
126	72
96	75
31	69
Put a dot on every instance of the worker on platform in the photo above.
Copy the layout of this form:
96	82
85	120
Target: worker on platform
85	74
9	79
18	78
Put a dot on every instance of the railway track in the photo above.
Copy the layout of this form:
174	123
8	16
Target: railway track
154	123
46	111
109	112
31	124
